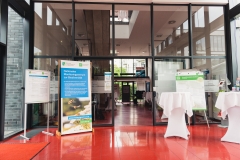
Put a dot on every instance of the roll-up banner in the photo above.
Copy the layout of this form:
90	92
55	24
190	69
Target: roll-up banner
75	83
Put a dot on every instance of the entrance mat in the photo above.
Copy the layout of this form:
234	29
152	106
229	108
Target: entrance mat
20	151
31	133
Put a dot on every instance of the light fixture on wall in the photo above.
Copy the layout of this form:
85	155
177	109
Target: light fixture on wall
171	22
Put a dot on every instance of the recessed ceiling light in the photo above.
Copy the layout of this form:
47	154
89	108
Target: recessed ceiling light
71	20
171	22
159	35
81	35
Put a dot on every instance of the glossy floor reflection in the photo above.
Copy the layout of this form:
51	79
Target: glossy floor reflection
136	143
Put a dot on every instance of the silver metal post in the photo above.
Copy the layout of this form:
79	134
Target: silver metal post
206	118
25	123
48	133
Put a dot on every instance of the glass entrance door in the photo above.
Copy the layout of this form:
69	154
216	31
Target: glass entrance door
103	107
14	75
165	81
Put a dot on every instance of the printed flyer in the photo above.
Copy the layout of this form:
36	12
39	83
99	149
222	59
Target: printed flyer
76	114
192	82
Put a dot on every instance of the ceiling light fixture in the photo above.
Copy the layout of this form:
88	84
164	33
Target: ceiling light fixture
85	45
118	45
171	22
159	35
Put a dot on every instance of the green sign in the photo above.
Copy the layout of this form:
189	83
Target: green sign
190	77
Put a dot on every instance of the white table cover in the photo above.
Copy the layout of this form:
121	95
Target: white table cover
175	105
229	103
226	100
171	100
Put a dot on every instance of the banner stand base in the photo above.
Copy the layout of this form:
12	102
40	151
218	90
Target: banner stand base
58	133
48	133
24	137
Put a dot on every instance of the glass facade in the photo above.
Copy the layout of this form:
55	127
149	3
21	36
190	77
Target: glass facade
93	32
160	44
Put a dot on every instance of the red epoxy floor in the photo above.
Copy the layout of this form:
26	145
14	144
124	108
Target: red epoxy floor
137	143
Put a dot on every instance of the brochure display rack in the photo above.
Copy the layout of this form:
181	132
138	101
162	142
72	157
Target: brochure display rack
36	91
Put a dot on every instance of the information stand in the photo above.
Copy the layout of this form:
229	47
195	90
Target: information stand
192	80
36	91
75	107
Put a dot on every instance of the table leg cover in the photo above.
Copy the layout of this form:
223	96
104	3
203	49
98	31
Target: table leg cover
177	125
233	131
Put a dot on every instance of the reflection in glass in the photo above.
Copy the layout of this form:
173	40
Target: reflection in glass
235	39
170	30
92	29
39	111
132	35
208	31
217	71
52	29
102	92
165	80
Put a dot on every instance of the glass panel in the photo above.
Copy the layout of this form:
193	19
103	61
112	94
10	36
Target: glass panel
235	39
171	30
39	111
217	71
208	31
52	29
102	92
93	29
132	30
130	67
165	80
233	3
14	75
